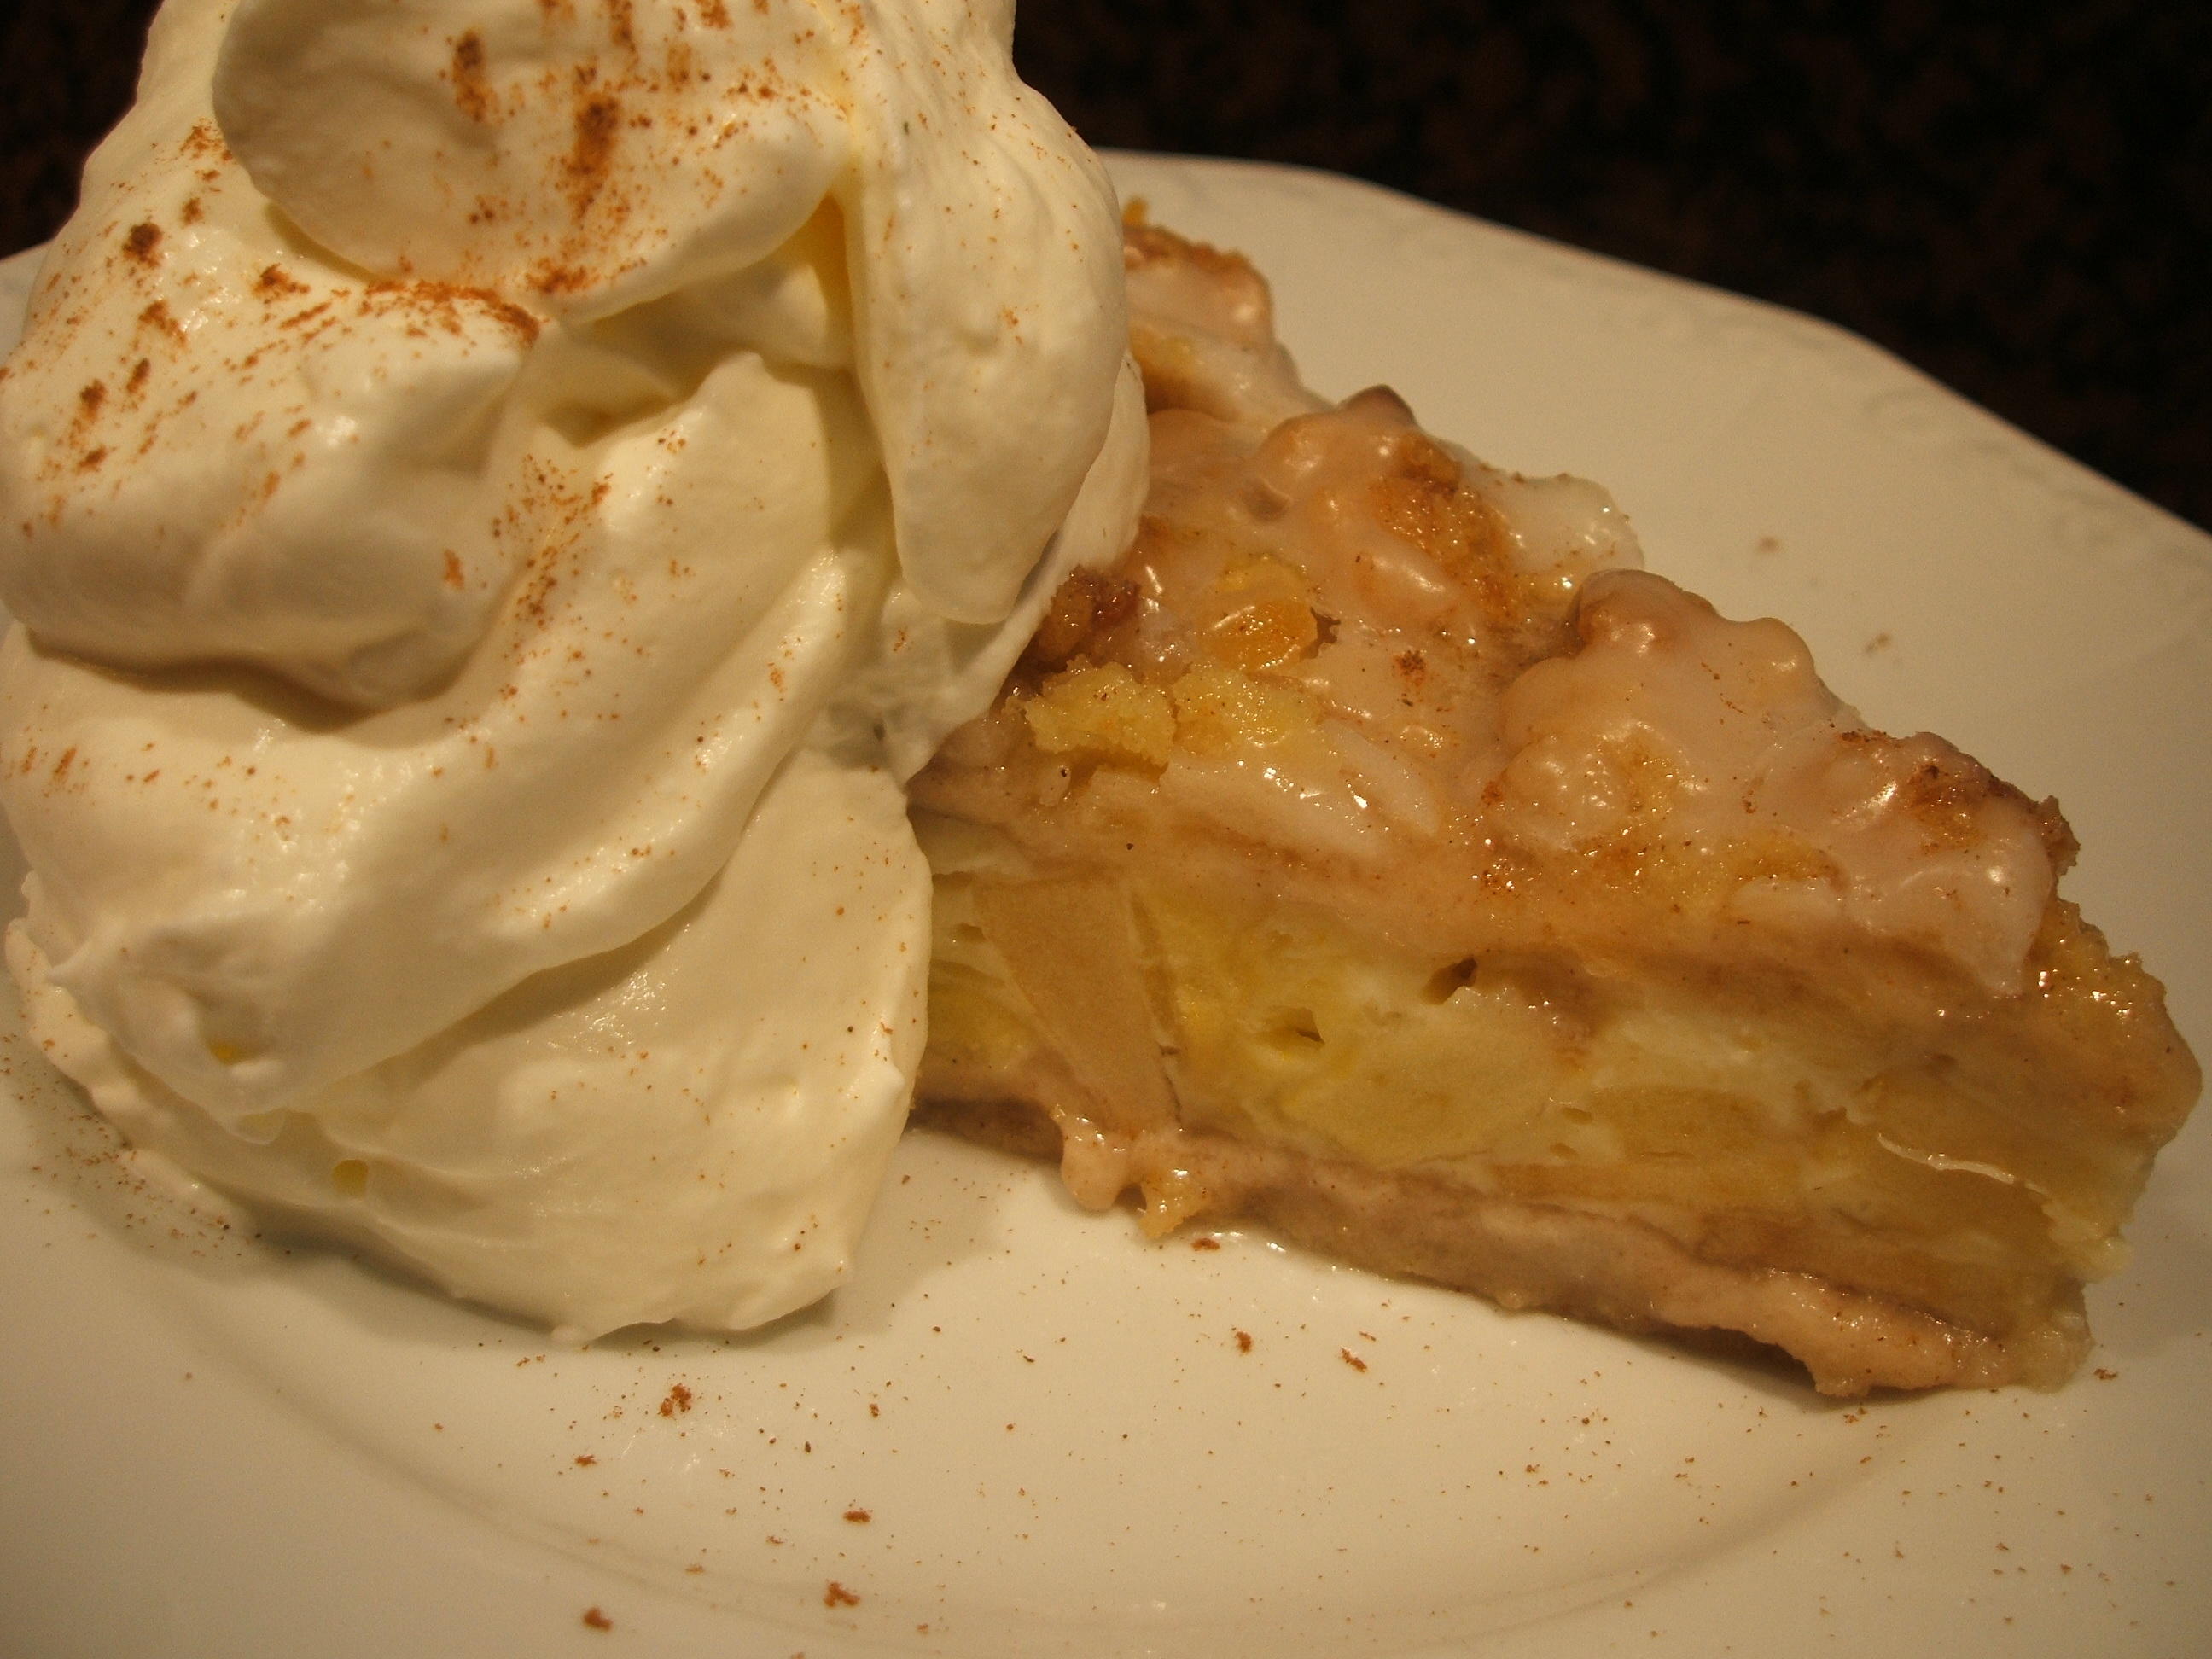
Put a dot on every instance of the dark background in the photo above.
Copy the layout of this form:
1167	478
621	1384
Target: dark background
2016	197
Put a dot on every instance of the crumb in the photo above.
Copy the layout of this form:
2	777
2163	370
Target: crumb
678	1400
1352	1359
585	1460
1243	1341
834	1595
1205	1244
597	1620
858	1517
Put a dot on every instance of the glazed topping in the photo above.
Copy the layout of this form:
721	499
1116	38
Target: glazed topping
1670	724
1342	639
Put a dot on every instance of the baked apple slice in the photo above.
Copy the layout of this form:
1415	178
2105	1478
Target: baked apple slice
1378	853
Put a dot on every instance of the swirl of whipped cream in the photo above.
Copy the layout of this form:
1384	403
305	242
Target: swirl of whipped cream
498	493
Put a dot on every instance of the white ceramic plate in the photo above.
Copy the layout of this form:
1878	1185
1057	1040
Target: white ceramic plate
1059	1439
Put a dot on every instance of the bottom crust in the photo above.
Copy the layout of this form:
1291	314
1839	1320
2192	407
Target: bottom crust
1606	1267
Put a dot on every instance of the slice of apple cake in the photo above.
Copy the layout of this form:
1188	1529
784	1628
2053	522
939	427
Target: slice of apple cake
1379	854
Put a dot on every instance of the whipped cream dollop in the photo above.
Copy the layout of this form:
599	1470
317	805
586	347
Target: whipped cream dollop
499	494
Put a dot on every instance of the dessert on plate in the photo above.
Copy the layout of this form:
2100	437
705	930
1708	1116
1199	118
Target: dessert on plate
499	499
1377	853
